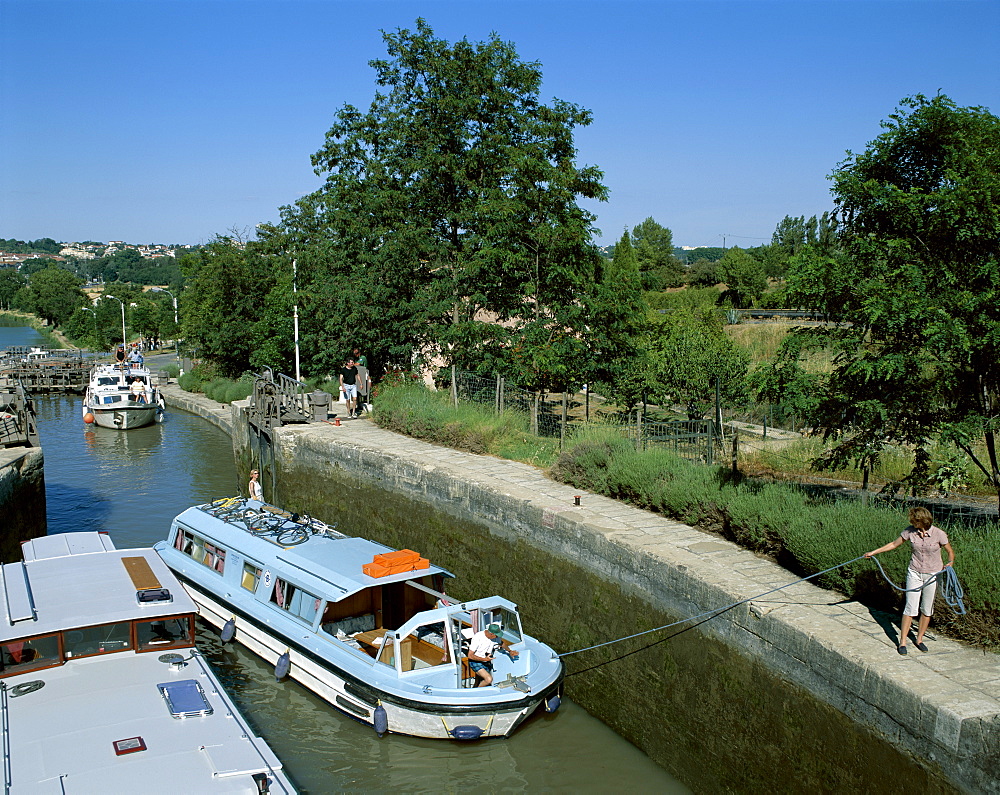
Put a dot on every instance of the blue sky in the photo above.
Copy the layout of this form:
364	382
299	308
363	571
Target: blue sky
175	121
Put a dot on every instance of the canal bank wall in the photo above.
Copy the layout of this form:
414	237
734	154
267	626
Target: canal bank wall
797	690
22	499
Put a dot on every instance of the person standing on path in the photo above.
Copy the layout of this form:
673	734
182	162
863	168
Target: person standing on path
922	574
256	492
348	384
364	383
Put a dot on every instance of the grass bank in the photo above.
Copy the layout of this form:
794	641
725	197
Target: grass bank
779	520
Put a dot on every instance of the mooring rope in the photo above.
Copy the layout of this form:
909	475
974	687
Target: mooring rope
951	591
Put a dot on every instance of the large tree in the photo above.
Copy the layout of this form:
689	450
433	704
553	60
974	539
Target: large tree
916	294
448	222
659	268
233	311
55	294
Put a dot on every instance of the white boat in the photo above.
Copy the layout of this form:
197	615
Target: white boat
367	628
122	396
101	687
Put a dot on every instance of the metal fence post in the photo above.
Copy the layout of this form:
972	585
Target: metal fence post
562	424
503	398
454	388
736	452
496	395
534	415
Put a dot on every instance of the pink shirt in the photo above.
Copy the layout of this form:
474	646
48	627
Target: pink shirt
926	551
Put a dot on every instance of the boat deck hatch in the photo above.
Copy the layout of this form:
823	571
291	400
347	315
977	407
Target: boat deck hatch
153	596
185	699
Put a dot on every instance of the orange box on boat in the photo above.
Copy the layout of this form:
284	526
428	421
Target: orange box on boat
397	558
374	570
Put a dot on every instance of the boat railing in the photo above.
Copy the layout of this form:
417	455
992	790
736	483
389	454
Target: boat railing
5	737
17	415
277	400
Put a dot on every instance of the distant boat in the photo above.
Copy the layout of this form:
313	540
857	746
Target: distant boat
101	687
122	396
365	627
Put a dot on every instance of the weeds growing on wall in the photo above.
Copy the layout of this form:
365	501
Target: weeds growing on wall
779	520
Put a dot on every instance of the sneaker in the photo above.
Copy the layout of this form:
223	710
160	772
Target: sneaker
922	646
901	649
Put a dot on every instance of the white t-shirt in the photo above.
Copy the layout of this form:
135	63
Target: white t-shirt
255	490
481	646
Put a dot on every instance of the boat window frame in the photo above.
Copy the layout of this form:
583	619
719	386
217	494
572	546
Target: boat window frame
159	647
447	650
319	602
131	640
259	576
203	543
50	662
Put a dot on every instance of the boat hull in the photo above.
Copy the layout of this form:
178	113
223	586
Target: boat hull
124	417
358	699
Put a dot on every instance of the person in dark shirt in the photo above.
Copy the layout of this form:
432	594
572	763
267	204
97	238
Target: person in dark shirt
349	385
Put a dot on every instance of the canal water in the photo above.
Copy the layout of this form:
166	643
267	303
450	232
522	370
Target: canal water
133	483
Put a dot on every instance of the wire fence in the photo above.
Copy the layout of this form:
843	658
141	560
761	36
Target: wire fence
561	415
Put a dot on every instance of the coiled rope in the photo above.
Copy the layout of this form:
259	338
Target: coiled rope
951	592
951	589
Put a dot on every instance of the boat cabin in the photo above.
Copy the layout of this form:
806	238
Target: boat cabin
57	610
403	621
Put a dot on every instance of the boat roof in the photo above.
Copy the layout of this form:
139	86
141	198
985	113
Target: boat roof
80	579
63	737
330	564
118	722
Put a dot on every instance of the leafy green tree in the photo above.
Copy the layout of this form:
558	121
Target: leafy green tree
233	311
616	311
703	273
10	282
55	294
654	250
448	223
744	276
682	356
918	337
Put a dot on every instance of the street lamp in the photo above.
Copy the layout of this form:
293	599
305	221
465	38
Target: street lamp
96	330
119	300
295	292
177	349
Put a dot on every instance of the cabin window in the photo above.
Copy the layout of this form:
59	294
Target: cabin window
295	600
164	633
426	647
508	620
197	548
97	640
251	576
28	654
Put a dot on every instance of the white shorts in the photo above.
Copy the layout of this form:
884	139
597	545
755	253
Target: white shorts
924	597
350	391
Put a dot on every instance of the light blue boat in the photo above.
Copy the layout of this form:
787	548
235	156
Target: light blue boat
389	651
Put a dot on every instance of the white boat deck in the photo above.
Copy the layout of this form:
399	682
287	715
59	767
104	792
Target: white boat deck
81	710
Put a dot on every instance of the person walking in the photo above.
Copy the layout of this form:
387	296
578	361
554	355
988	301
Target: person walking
349	385
927	542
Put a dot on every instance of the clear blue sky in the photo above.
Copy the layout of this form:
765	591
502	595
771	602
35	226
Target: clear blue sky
172	122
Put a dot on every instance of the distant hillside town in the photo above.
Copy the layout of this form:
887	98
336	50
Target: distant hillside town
14	252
